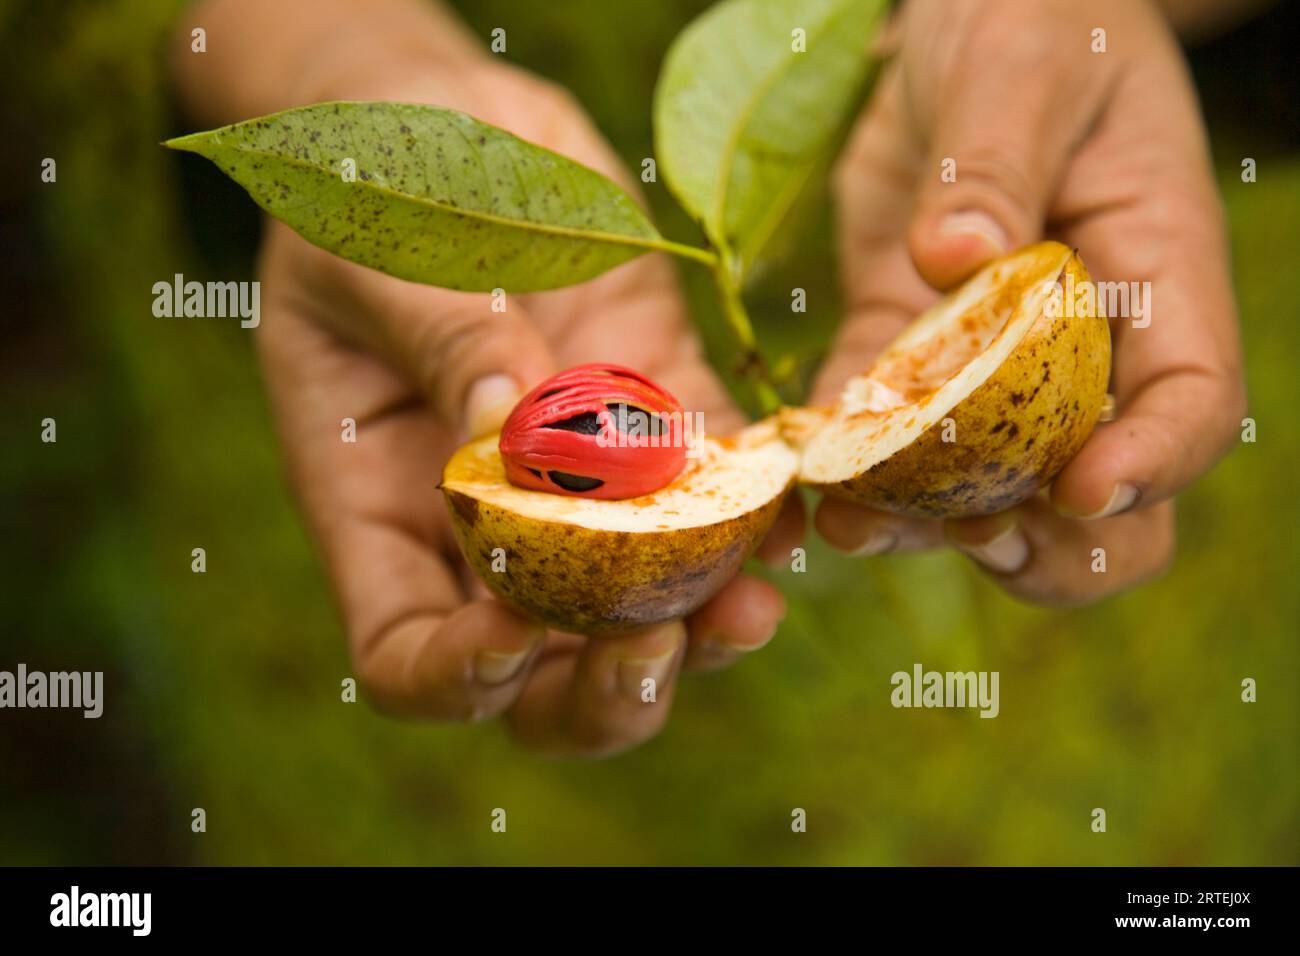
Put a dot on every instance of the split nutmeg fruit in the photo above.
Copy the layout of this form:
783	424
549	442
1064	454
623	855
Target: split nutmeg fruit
977	405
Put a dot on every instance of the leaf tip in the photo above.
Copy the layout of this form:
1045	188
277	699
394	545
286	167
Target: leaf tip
186	144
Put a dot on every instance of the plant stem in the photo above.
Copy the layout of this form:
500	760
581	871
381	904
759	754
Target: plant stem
753	365
705	256
723	266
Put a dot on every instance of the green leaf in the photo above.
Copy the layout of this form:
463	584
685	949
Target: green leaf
437	197
743	122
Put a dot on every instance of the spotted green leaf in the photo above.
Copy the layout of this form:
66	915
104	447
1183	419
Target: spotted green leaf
432	195
752	96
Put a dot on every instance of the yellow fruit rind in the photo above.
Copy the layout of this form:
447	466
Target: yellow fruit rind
588	581
1013	434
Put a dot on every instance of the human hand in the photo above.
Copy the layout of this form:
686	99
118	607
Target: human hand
1104	151
421	369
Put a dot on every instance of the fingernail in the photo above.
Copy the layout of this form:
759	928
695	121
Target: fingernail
972	222
1005	554
499	667
725	643
878	542
634	672
488	403
1121	499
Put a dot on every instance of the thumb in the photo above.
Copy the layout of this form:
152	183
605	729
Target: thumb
470	355
472	363
998	146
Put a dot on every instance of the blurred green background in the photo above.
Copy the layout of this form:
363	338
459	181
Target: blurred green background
223	688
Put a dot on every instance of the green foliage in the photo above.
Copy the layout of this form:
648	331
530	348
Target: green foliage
431	195
745	112
753	99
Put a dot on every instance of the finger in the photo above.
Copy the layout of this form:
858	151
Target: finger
738	620
467	663
1169	434
470	361
998	143
1177	375
604	696
1041	557
416	649
866	330
873	183
744	615
785	535
859	531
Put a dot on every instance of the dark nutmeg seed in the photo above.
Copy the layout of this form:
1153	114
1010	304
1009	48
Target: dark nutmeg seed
575	482
588	423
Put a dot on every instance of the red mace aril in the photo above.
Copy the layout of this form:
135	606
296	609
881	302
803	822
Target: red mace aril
595	431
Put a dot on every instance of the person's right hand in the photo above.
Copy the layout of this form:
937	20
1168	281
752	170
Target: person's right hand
421	369
1103	150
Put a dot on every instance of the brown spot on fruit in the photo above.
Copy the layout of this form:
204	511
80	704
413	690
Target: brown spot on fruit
465	507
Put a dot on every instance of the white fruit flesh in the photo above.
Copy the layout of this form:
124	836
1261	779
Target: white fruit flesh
729	478
936	363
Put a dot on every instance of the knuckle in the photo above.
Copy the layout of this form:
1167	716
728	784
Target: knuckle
545	94
561	98
994	173
384	677
377	685
390	691
1033	52
444	347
